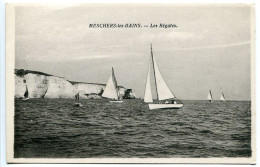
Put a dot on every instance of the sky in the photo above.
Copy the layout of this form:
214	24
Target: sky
209	49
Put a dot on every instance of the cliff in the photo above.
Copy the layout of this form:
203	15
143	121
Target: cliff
36	84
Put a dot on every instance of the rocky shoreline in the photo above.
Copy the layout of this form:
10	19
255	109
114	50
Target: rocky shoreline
41	85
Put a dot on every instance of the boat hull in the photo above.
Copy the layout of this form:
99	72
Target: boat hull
78	105
116	101
164	106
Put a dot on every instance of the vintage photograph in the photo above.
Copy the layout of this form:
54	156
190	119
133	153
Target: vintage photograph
160	82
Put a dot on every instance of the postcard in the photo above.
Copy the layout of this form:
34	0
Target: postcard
130	83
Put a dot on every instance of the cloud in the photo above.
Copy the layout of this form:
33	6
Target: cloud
165	35
215	46
66	58
89	57
79	58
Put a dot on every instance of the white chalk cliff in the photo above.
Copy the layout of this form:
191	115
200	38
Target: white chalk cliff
41	85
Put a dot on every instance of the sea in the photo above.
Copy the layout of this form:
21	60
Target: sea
54	128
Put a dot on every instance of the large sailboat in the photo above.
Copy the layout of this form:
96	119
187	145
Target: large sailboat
162	90
222	97
111	90
210	99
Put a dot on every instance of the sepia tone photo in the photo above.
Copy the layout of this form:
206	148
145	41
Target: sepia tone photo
130	83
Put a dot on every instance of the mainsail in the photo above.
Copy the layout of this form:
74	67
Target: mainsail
163	91
26	93
210	96
148	93
222	98
111	90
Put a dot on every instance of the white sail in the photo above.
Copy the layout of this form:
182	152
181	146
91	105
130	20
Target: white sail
162	89
222	98
210	96
111	88
26	94
148	91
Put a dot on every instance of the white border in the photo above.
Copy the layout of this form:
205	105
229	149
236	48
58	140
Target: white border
98	1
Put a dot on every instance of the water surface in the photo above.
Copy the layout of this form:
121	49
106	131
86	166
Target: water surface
54	128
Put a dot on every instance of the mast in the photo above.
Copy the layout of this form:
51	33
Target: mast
154	72
115	83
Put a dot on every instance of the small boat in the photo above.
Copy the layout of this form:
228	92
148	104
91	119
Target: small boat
25	99
111	90
77	104
210	99
162	90
116	101
222	97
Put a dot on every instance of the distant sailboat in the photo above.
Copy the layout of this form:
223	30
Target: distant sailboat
26	94
222	98
162	90
77	104
111	90
210	99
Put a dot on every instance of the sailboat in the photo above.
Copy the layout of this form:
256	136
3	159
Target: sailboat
162	90
222	97
210	99
78	104
26	94
111	90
